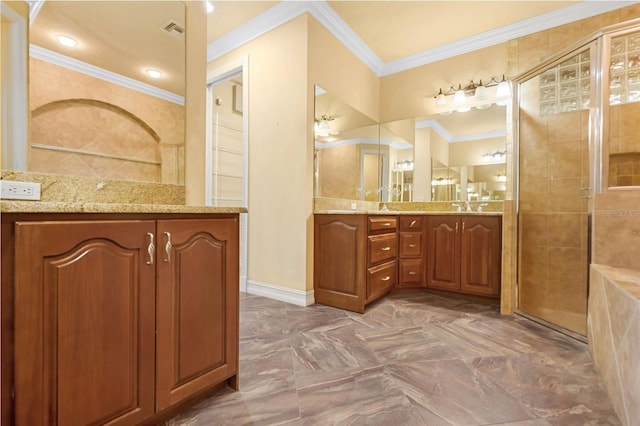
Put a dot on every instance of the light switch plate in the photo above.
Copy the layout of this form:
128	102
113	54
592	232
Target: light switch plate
14	190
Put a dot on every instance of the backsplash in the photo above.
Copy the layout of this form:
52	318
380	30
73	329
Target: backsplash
75	189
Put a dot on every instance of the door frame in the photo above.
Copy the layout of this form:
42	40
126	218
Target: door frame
215	76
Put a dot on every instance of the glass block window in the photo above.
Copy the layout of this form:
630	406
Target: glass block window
566	87
624	69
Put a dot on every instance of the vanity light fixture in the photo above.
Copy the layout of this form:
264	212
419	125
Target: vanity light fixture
494	156
66	40
473	96
322	128
501	177
153	73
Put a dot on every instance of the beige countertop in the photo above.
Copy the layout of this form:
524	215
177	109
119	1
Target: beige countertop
407	212
10	206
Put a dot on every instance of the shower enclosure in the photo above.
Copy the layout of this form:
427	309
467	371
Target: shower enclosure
576	135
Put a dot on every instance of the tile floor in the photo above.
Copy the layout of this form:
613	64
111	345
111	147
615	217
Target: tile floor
410	359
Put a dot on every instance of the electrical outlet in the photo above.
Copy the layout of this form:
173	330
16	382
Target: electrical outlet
13	190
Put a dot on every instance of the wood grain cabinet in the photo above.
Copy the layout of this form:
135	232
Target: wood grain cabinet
464	254
355	259
412	243
117	320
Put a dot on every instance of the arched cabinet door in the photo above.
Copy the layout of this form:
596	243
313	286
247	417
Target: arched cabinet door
481	255
84	322
443	253
197	306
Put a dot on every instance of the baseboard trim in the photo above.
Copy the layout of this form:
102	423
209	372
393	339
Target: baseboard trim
243	284
283	294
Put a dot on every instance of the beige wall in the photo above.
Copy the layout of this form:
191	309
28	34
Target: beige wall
284	65
404	94
280	154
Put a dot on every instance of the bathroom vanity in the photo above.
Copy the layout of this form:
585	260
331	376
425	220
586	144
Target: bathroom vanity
119	314
360	257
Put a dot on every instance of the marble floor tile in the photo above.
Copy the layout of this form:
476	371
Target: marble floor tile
411	359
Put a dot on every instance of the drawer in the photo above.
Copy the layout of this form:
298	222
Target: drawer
381	279
382	223
412	223
411	272
411	244
382	248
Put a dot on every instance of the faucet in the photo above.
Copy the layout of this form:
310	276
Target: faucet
458	205
467	205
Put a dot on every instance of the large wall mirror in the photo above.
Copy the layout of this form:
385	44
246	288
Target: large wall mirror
347	156
108	101
456	157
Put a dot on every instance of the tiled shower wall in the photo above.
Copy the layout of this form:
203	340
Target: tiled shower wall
76	111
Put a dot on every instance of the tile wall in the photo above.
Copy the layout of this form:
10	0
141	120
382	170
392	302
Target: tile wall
92	115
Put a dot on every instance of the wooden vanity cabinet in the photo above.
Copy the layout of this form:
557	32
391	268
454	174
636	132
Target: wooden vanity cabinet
111	323
412	247
464	254
355	259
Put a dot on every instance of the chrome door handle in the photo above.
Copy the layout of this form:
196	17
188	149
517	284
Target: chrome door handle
151	249
463	226
457	225
413	222
168	247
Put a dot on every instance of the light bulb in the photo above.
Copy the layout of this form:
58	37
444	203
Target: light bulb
481	97
503	92
153	73
66	41
440	99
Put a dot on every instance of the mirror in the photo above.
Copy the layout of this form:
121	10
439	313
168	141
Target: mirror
95	110
347	153
455	157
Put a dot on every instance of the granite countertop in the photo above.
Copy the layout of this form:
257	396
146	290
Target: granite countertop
407	212
10	206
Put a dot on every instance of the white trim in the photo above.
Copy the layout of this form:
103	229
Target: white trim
14	97
102	74
322	11
395	145
444	134
283	294
345	142
576	12
339	28
34	9
261	24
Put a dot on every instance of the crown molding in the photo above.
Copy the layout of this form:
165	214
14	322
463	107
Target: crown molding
329	18
346	142
272	18
576	12
102	74
334	23
444	134
34	9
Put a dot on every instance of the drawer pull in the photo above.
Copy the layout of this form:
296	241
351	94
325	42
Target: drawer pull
412	245
413	222
385	248
387	278
386	224
168	247
412	272
151	248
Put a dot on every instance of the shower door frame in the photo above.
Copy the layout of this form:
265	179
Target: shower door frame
599	44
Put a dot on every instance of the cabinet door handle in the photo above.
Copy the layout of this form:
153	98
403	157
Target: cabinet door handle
412	272
387	278
457	224
463	226
412	245
385	248
413	222
168	247
151	249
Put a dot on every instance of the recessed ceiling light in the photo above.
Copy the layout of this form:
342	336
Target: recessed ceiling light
209	7
66	41
153	73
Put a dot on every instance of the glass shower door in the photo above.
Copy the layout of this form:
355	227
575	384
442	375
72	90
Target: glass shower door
553	173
